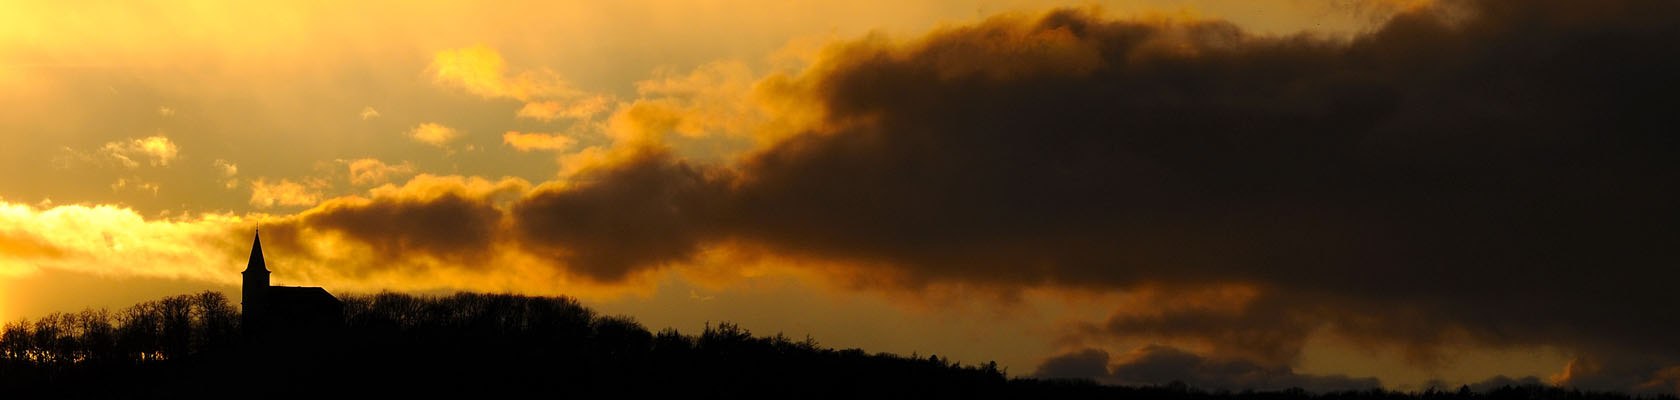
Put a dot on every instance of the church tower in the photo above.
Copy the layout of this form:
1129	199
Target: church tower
254	302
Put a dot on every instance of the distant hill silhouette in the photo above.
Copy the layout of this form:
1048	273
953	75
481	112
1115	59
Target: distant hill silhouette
482	345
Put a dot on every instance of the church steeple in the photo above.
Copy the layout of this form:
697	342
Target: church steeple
256	262
254	293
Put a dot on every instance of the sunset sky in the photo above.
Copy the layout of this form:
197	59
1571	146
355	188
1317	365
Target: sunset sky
1235	194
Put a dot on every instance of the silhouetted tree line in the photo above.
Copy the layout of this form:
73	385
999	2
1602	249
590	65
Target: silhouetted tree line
172	328
480	345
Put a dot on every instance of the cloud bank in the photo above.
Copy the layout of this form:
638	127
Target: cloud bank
1474	173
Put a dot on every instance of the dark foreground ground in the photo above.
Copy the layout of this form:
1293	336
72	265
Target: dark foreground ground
489	346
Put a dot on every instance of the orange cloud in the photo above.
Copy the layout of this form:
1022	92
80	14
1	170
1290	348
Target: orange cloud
157	150
371	171
19	248
107	240
716	99
433	134
136	184
537	141
229	171
227	168
286	192
481	71
549	110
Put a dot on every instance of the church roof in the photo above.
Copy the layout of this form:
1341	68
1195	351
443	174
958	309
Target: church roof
300	295
256	263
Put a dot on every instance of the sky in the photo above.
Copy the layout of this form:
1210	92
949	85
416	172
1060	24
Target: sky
1258	194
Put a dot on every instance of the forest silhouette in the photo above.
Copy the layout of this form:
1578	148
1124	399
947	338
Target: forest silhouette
480	345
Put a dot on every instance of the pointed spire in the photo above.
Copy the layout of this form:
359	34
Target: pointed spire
256	263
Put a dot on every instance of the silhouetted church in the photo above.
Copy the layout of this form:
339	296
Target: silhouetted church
283	308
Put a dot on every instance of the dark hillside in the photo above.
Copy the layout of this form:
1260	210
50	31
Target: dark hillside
481	345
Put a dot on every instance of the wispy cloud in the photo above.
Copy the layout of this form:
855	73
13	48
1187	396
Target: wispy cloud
135	184
285	192
549	110
433	134
482	71
229	172
371	171
531	141
156	150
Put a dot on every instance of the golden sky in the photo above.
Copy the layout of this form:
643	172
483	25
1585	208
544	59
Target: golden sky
1323	193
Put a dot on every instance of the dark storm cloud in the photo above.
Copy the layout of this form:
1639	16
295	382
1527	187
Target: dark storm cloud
1491	384
451	226
1501	172
429	220
1234	322
1224	155
1083	364
1498	172
621	218
1156	364
1517	161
